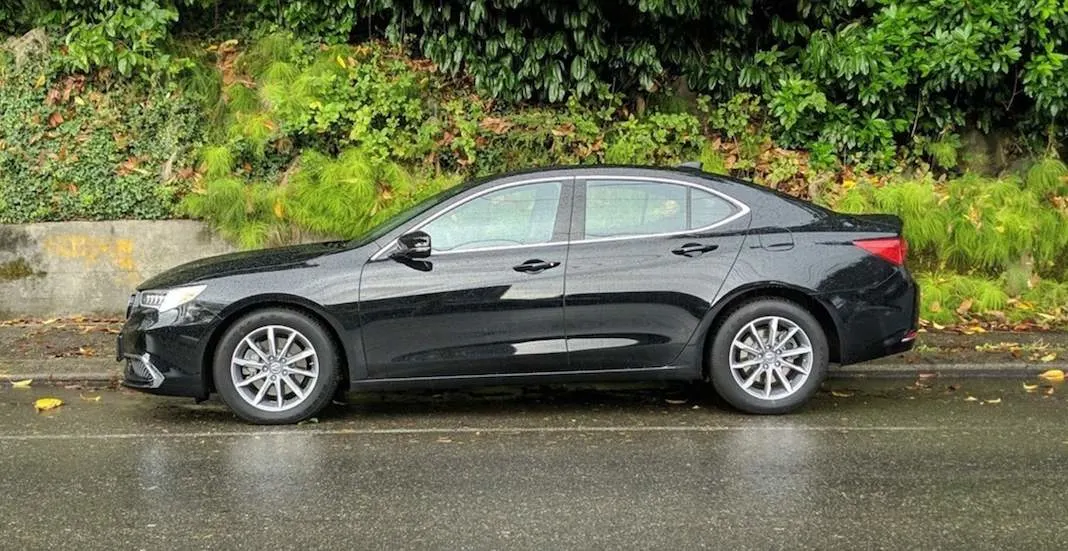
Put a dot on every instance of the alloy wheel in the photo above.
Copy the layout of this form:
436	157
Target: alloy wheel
771	358
274	368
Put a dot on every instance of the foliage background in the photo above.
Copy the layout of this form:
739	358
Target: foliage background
284	121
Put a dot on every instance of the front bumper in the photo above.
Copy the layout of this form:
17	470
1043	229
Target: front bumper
164	351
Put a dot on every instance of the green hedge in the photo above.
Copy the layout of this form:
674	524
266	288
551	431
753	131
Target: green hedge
865	80
95	148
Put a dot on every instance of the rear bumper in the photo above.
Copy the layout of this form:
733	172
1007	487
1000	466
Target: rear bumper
878	321
164	352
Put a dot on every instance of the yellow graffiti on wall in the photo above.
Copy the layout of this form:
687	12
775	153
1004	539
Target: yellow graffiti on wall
97	253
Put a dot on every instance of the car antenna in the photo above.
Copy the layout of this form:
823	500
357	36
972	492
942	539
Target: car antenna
691	164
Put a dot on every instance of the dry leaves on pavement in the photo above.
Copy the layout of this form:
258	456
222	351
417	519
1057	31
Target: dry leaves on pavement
45	404
1055	375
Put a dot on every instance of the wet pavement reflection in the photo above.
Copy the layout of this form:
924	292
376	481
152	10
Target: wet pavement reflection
870	464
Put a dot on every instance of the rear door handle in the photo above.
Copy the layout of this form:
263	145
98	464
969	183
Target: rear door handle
534	266
694	249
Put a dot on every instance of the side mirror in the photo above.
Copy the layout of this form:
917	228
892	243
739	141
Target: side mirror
413	245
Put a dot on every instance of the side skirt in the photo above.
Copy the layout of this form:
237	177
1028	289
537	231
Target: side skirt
665	373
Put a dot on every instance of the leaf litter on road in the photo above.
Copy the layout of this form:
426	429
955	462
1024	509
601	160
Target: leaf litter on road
23	384
1055	375
45	404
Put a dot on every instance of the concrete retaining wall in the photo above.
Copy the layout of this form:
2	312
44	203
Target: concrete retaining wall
72	268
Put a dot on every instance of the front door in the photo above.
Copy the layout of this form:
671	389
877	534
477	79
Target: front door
646	260
489	298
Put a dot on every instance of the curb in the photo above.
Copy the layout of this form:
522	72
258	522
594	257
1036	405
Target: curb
1012	370
46	378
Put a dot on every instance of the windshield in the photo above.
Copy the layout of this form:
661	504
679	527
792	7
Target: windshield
402	217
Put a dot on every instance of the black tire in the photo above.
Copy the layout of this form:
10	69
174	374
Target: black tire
316	398
731	390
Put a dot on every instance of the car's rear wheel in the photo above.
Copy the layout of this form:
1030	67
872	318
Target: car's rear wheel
769	356
276	366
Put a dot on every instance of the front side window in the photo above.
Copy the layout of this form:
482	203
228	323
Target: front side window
519	215
628	208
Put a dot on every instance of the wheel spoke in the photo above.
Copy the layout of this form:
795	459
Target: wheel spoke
252	346
261	393
254	378
789	335
756	335
749	363
767	383
285	347
796	367
747	348
785	381
249	363
293	386
271	345
773	332
752	377
299	357
303	372
278	392
795	352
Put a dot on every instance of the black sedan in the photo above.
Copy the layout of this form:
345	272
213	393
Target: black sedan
548	276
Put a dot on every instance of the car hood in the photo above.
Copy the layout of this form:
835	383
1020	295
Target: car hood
240	263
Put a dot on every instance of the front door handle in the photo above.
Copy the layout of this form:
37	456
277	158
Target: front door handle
694	249
534	266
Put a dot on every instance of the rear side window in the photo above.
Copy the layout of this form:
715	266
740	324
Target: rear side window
626	208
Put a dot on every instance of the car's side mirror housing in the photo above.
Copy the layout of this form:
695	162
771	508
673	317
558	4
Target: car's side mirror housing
413	245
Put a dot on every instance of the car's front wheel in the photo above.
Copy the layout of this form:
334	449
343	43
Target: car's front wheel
769	356
276	366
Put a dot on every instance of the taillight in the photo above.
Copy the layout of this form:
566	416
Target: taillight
890	249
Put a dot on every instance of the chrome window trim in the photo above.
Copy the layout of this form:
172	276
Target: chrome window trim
743	210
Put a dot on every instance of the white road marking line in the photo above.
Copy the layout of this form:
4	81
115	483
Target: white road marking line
488	430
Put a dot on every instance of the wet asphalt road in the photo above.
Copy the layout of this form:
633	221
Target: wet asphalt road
877	464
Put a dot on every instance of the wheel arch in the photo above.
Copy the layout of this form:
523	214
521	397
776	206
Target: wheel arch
241	308
823	313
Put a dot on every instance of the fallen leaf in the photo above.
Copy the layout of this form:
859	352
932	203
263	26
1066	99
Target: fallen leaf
927	375
444	440
675	402
90	398
841	394
1029	387
310	421
994	401
1048	357
1052	375
964	306
45	404
971	399
25	383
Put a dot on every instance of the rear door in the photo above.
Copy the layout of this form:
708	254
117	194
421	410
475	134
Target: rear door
646	259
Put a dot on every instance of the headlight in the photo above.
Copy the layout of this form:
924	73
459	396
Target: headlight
166	299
